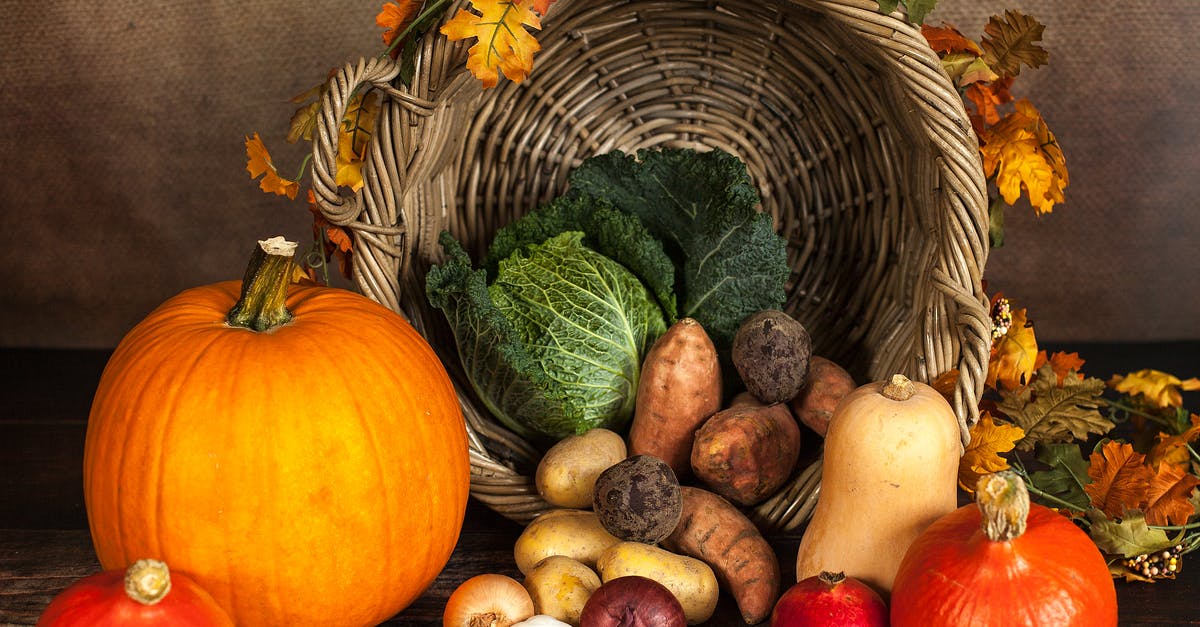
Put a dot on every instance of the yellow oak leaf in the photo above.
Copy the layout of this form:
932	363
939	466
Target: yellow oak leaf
353	139
1172	450
1013	355
1120	479
982	455
259	164
1159	388
1012	40
1023	154
1167	501
504	43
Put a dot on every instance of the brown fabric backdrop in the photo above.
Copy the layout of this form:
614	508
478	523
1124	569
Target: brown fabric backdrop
123	176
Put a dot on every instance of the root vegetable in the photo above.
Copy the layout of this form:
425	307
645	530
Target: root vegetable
679	387
689	579
566	474
770	352
716	532
633	601
826	385
573	533
560	586
638	499
745	453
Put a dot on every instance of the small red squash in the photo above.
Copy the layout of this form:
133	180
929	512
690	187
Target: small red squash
1003	561
147	593
299	450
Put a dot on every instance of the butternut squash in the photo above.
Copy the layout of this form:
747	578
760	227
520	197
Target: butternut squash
890	469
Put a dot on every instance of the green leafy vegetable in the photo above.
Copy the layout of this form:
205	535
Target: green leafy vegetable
703	207
553	346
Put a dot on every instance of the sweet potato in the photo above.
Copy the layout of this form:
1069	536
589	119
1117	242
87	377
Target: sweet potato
680	387
827	383
770	352
712	530
745	453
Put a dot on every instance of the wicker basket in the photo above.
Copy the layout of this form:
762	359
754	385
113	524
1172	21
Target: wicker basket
858	143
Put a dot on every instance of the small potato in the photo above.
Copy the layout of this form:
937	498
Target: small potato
560	586
567	472
689	579
572	533
770	352
826	385
638	499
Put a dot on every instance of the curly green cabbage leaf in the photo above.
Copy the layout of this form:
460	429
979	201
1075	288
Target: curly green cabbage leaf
554	345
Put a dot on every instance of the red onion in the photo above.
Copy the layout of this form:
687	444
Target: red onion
632	601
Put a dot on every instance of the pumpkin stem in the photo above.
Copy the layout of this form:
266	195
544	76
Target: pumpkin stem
1003	500
147	581
899	388
262	305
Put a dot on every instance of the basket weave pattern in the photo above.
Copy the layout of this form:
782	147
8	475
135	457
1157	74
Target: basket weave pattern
858	143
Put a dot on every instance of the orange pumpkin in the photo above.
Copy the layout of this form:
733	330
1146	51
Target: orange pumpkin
145	594
312	472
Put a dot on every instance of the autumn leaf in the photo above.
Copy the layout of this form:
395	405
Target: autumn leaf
259	164
1066	475
1011	41
504	44
1048	412
1158	388
982	455
987	98
1128	537
946	39
542	6
353	139
1167	499
1022	153
394	17
916	9
1172	450
1063	364
1120	479
335	240
946	383
1013	354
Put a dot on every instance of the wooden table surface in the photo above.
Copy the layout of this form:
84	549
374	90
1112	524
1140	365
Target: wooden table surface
44	543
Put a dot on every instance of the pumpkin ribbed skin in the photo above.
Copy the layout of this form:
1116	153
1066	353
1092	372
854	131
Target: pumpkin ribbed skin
313	474
1050	576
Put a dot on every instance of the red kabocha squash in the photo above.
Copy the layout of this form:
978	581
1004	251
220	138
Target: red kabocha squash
298	450
147	593
1003	561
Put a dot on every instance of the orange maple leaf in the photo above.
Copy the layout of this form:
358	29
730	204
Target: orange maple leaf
987	98
394	17
1172	450
1159	388
1062	363
1168	499
1120	479
259	164
1023	154
336	240
982	455
542	6
946	39
1013	355
504	44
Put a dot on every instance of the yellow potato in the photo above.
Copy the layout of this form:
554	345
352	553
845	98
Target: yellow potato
572	533
690	580
567	472
560	586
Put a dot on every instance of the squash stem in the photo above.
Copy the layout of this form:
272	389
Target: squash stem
147	581
262	305
899	388
1003	501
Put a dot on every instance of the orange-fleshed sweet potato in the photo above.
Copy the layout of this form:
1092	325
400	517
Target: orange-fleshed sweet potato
679	388
717	533
827	384
746	452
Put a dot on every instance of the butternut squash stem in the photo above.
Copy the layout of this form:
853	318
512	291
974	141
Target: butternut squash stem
147	581
1003	501
262	305
899	388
